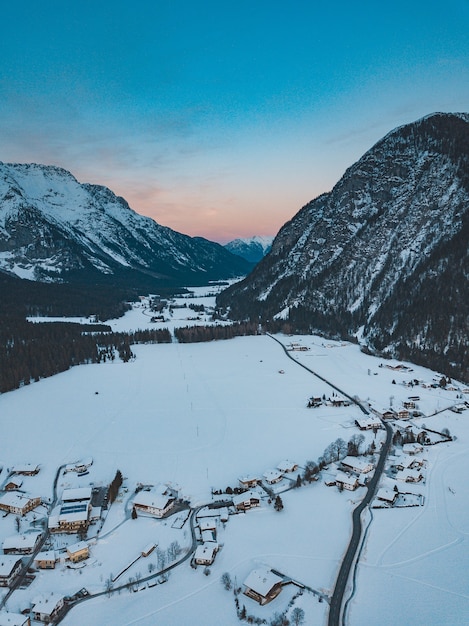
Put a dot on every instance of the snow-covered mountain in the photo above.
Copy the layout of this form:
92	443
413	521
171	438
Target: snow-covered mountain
253	249
384	255
52	228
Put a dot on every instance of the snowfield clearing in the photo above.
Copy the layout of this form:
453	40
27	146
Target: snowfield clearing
198	417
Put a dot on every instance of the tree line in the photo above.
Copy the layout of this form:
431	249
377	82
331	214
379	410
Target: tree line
195	334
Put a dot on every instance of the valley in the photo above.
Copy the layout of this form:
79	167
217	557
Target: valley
196	418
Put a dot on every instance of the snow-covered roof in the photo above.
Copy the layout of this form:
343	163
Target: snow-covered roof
46	604
272	474
21	542
245	497
388	495
341	477
409	475
206	551
360	465
48	555
208	523
77	547
262	580
79	493
7	564
16	500
248	478
12	619
286	466
152	499
24	468
412	448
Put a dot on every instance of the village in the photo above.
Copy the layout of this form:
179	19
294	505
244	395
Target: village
66	531
86	522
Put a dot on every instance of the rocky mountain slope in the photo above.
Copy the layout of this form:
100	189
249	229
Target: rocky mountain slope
52	228
384	256
252	249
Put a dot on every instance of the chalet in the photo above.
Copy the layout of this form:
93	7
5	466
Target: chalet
388	414
287	466
47	608
409	476
17	503
205	554
46	560
389	496
13	484
25	469
262	585
21	544
251	480
10	566
369	423
246	501
412	448
273	476
78	552
346	481
157	503
403	414
409	404
357	465
338	402
406	462
14	619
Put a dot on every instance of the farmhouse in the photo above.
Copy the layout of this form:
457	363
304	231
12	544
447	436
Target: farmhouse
78	551
387	495
403	414
287	466
13	484
157	503
409	476
205	554
10	566
19	504
369	423
14	619
388	414
262	585
359	466
47	608
273	476
246	501
25	469
251	480
412	448
345	481
21	544
46	560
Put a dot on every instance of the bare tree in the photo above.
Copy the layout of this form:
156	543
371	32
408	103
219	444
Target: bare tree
298	616
226	581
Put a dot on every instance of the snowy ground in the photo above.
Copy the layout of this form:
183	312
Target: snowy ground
201	415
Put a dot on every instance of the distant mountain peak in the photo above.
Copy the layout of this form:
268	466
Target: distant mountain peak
253	249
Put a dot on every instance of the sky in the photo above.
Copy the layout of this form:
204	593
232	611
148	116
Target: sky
217	118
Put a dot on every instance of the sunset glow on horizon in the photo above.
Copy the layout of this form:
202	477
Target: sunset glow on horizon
219	119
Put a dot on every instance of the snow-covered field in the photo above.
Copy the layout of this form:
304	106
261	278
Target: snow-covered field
199	416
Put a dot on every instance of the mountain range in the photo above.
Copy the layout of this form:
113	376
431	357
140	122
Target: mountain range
55	229
253	249
383	258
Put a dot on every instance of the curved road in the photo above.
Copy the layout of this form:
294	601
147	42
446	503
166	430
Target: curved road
335	608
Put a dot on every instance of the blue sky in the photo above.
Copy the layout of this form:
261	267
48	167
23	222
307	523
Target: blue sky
223	118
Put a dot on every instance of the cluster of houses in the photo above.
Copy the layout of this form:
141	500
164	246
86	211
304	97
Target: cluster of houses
352	472
14	501
207	550
270	476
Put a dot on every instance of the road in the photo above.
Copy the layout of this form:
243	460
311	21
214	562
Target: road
337	598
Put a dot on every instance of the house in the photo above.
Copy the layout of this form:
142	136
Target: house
157	503
412	448
207	523
13	484
17	503
78	552
345	481
46	560
205	554
251	480
388	414
208	536
245	501
357	465
10	566
403	414
25	469
287	466
387	495
262	585
409	404
74	513
21	544
273	476
369	423
46	608
14	619
409	476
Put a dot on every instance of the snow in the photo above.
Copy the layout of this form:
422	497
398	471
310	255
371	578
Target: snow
198	416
